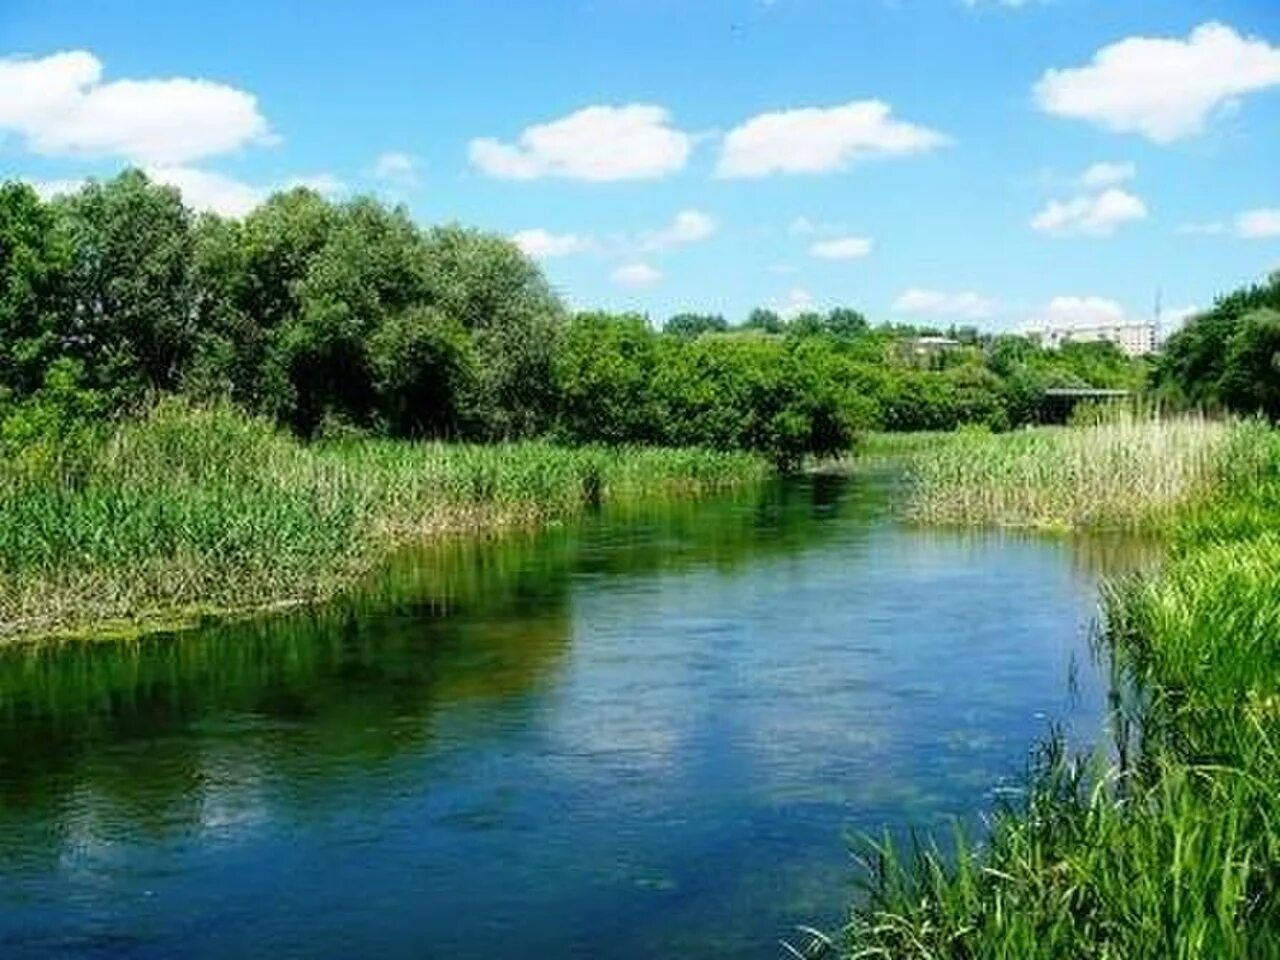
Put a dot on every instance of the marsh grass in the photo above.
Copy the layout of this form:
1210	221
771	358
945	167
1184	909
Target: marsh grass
1175	852
190	511
1124	473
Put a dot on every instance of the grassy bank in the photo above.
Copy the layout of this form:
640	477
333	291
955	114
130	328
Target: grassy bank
190	511
1126	474
1175	853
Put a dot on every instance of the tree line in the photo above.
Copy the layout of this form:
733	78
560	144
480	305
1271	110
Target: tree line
349	317
1227	358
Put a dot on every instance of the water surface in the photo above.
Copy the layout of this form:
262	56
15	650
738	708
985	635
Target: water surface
645	734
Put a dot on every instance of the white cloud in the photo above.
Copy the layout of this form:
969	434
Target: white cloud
842	248
1164	89
48	189
1107	175
803	227
542	244
798	301
1092	216
1080	312
397	168
59	105
600	143
207	191
689	226
820	140
1172	318
966	305
1258	224
1206	229
636	275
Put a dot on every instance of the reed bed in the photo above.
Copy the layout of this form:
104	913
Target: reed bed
1127	474
189	511
1174	852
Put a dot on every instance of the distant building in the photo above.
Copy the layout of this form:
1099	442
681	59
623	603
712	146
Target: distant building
1133	339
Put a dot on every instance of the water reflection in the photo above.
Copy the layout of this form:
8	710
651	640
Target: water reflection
639	735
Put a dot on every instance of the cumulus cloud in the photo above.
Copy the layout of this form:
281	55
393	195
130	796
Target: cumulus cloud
1163	89
1096	215
965	305
207	191
59	106
842	248
1080	312
543	244
599	143
820	140
636	275
1107	175
689	226
397	168
1258	224
211	192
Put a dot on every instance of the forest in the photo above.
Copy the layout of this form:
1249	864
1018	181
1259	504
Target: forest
348	318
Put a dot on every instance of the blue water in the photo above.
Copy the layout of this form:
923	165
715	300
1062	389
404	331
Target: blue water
647	734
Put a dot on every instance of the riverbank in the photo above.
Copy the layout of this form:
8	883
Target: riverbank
1175	852
193	512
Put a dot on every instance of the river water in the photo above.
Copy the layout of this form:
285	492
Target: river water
650	733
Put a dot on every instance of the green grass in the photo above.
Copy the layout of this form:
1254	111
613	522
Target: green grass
1129	473
189	511
1175	851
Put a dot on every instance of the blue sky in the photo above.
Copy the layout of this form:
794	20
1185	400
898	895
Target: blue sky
985	161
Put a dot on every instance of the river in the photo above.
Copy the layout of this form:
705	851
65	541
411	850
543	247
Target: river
648	733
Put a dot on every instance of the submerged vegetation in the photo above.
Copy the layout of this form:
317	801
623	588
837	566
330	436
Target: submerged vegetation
190	510
1175	852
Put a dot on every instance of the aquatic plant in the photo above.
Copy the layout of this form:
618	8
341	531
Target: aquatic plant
1175	850
1127	472
191	509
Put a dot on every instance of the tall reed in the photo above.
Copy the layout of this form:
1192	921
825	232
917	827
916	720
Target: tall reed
193	510
1126	473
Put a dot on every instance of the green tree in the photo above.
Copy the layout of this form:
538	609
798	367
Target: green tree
370	267
844	322
603	372
695	324
1250	379
424	373
129	317
764	319
501	297
33	266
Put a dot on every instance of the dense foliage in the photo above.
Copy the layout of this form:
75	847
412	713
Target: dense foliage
1228	357
340	318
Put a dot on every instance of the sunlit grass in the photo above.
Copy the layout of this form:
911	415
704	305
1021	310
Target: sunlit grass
191	510
1127	474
